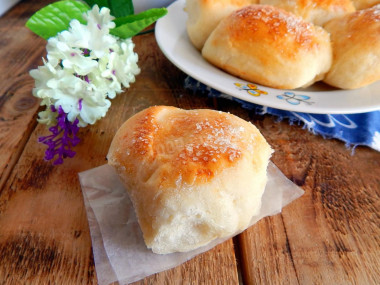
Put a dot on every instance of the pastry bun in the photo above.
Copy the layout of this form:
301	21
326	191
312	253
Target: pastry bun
204	16
192	176
269	46
364	4
355	40
317	12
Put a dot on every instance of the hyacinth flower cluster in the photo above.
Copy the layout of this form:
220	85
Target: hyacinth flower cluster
86	66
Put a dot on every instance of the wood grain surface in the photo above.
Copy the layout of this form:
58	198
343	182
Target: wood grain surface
330	235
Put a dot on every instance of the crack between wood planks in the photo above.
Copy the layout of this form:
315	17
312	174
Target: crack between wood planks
239	268
289	249
17	154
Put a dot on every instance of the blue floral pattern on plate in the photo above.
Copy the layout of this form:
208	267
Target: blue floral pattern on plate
295	99
353	129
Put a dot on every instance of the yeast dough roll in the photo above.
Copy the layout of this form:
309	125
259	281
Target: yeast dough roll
364	4
356	49
269	46
204	16
193	176
315	11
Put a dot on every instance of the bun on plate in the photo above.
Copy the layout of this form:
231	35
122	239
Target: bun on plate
355	40
316	11
193	176
269	46
204	16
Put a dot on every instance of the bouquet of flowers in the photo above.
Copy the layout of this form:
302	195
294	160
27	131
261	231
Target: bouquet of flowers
90	59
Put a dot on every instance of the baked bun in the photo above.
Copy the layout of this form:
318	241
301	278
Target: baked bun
355	40
316	11
192	176
364	4
204	16
269	46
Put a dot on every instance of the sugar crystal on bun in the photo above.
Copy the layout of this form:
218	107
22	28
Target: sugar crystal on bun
269	46
315	11
192	175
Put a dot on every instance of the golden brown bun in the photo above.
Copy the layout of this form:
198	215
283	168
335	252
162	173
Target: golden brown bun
316	11
364	4
356	49
192	176
205	15
270	46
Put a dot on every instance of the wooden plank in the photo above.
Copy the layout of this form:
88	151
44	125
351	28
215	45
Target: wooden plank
44	234
216	266
20	51
264	254
42	217
331	234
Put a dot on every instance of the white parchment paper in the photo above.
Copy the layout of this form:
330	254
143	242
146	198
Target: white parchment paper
119	250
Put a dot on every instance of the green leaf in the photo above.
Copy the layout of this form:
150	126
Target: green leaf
121	8
100	3
127	27
55	18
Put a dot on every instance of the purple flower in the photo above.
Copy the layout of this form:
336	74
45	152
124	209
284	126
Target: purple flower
80	104
62	139
83	77
85	52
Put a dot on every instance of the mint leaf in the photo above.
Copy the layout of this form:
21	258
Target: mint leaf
121	8
55	18
128	26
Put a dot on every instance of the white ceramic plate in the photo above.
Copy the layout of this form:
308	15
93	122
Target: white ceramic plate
172	38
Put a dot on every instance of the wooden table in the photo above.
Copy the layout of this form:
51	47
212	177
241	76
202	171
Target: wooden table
330	235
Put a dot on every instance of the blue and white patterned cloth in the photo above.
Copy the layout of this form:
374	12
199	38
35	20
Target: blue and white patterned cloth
353	129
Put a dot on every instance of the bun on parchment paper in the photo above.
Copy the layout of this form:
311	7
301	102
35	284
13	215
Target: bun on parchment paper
204	16
355	41
193	176
317	12
269	46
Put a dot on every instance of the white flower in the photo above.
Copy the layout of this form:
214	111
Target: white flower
95	35
47	117
91	110
121	66
125	64
60	52
85	66
100	18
